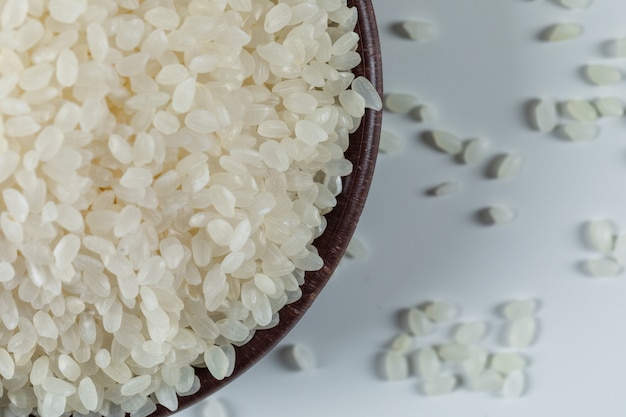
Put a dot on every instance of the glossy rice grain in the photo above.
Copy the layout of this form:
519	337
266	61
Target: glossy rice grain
446	142
543	114
441	311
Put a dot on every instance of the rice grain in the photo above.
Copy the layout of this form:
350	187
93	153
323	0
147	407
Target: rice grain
602	74
562	32
394	365
440	385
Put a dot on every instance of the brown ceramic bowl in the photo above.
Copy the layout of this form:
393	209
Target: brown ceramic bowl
341	221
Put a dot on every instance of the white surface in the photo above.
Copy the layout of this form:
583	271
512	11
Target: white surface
478	73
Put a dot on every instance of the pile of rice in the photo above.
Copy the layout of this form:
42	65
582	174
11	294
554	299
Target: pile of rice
164	168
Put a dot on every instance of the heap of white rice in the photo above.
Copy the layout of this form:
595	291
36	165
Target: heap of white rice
164	168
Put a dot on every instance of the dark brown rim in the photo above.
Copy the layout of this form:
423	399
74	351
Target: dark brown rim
342	221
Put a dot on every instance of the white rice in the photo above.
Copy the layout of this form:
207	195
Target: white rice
446	188
603	267
470	333
602	74
514	385
519	309
446	142
455	352
476	363
599	235
441	311
214	407
427	363
302	357
521	333
440	385
390	142
394	365
400	102
609	106
446	358
418	30
423	113
562	32
473	150
578	132
497	215
356	248
416	322
543	115
487	381
160	192
506	165
507	362
580	110
401	343
616	47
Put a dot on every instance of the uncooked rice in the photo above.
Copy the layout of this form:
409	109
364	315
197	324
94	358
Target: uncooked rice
602	74
400	103
487	381
609	106
470	333
164	169
514	385
390	142
446	142
423	113
441	384
446	188
520	309
356	248
507	362
416	322
302	357
521	333
476	363
616	48
402	343
427	363
602	267
506	165
543	115
473	151
562	32
599	235
441	311
418	30
454	352
580	110
577	131
394	365
442	363
497	215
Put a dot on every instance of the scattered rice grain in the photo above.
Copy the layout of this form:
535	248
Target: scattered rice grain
440	385
394	365
418	30
446	142
602	74
562	32
399	102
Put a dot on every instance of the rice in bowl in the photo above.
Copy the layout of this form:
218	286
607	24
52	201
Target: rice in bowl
164	168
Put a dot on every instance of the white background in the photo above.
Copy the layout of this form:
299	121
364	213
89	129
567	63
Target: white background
479	72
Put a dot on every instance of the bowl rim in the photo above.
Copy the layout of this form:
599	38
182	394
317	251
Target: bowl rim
342	220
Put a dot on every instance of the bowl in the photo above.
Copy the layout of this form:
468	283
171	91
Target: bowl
342	221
